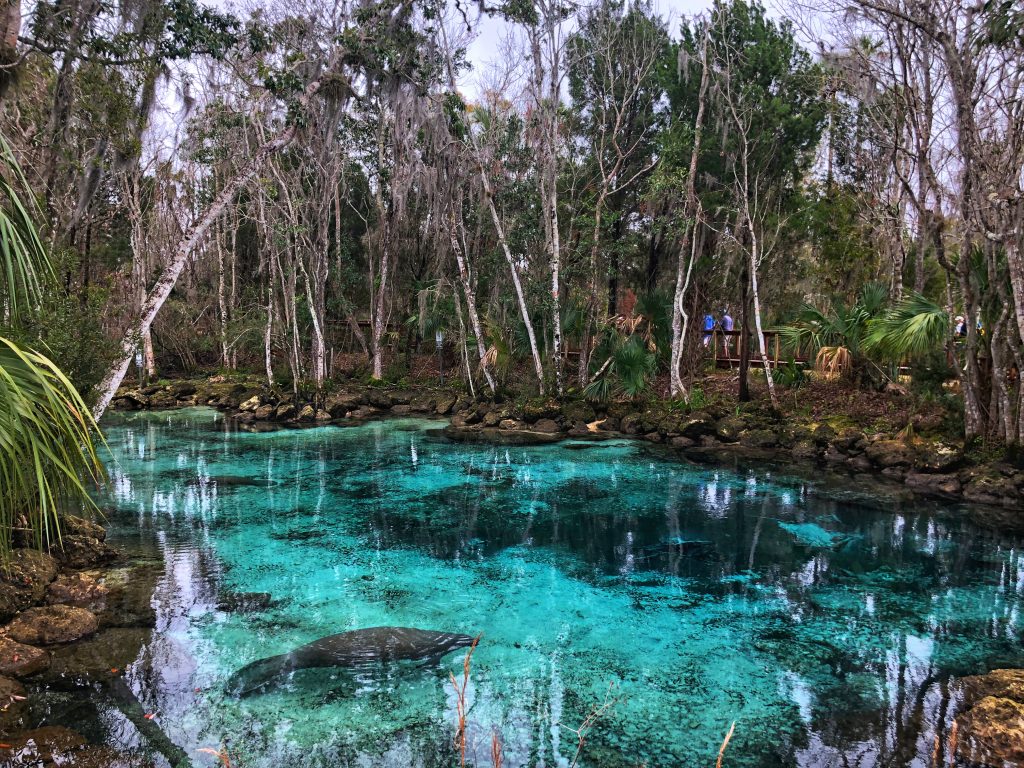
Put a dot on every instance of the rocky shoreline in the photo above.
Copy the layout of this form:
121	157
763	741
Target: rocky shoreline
925	467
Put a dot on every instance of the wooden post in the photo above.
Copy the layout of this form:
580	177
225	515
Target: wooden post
776	350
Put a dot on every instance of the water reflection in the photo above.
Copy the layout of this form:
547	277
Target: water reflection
829	628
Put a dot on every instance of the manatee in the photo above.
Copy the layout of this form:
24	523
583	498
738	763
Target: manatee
357	649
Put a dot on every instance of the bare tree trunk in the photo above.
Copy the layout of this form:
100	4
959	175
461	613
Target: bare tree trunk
467	289
158	295
687	254
755	295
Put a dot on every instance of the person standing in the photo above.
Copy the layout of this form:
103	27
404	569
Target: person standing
709	326
728	325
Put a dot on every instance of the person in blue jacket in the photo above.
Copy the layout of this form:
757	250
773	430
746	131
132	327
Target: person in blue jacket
709	326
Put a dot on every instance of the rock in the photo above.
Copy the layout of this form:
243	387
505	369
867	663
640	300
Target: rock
77	589
265	412
939	484
94	659
939	458
511	424
322	415
653	437
243	602
894	473
549	426
833	455
859	464
250	405
364	412
578	411
340	403
823	434
444	403
728	429
24	580
130	596
536	409
79	526
889	453
846	441
83	552
991	489
609	424
499	436
379	399
805	450
284	412
182	389
630	423
494	417
696	426
991	733
51	625
163	400
20	660
307	413
682	442
401	410
758	438
1002	683
423	403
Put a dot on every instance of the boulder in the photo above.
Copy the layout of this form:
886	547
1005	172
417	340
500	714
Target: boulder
889	453
1002	683
423	403
52	625
95	658
576	411
609	424
163	399
322	415
550	426
251	404
340	403
682	442
805	450
24	580
265	412
129	600
536	409
81	590
833	455
379	399
306	413
758	438
20	660
728	429
991	733
401	410
444	403
991	489
511	424
182	389
938	484
939	457
696	426
494	417
284	412
631	423
83	552
823	434
859	464
499	436
79	526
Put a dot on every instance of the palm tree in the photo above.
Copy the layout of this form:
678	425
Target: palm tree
47	450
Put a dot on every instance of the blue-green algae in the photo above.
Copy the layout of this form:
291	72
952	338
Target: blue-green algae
683	598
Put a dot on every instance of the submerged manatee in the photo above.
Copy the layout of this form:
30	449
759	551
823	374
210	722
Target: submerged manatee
355	649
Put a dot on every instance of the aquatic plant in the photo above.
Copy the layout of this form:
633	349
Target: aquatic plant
460	701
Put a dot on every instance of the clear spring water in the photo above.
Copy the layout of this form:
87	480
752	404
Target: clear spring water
675	599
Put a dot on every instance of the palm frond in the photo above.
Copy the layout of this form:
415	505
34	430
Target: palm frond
914	327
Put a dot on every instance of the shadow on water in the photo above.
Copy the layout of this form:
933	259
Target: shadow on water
829	622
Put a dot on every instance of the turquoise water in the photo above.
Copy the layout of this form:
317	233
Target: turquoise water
670	599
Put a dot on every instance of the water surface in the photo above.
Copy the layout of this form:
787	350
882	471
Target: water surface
674	599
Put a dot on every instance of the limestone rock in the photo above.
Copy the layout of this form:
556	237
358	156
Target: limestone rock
80	590
284	412
51	625
265	412
631	423
889	453
182	389
12	704
251	404
1002	683
577	411
307	413
942	484
51	745
340	403
379	399
78	526
83	551
444	403
94	659
939	458
401	410
696	426
23	582
19	660
550	426
682	442
991	733
537	409
728	429
805	450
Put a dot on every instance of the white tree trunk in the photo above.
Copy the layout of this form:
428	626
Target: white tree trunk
754	258
474	317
